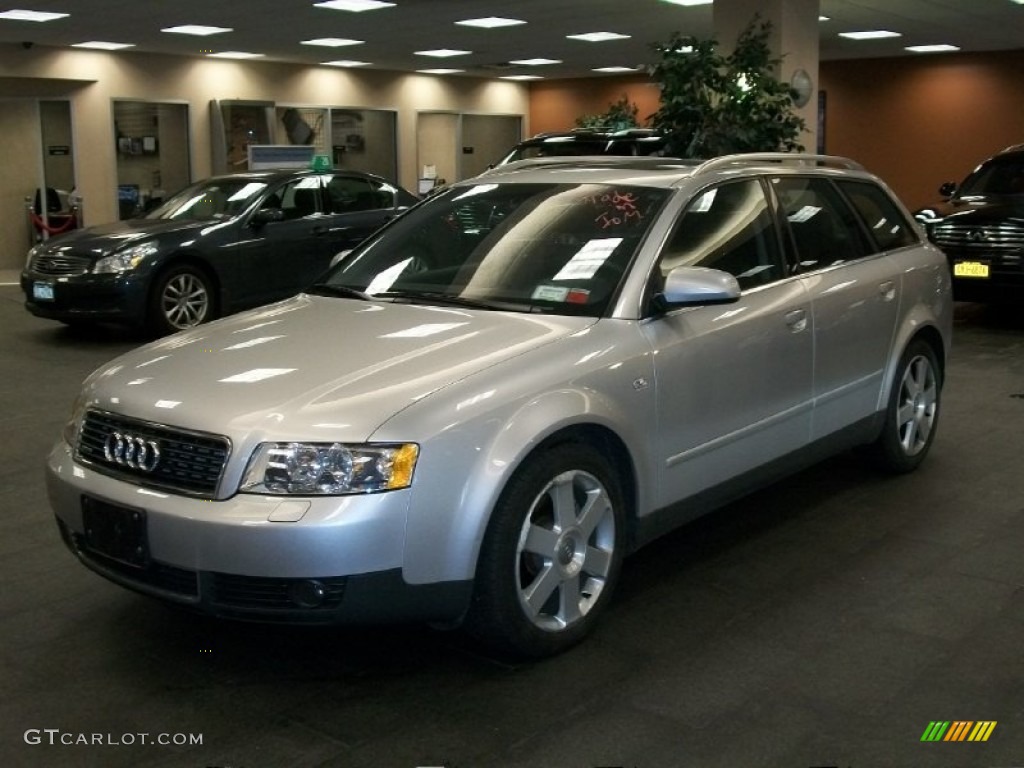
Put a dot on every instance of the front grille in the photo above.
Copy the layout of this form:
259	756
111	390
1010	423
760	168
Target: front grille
60	264
1005	237
269	593
190	462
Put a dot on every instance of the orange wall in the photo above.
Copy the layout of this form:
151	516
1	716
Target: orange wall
916	121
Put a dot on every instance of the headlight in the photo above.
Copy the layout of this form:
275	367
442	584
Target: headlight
70	433
34	251
124	260
327	469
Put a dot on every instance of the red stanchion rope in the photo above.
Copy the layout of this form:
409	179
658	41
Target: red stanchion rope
42	226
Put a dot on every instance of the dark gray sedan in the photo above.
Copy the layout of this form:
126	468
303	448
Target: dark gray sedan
216	247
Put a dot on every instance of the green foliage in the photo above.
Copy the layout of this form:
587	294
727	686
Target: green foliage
620	116
714	105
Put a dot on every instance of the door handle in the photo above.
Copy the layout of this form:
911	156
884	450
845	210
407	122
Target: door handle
796	320
888	290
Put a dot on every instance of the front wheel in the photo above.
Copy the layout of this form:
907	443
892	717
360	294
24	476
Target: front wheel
912	415
182	298
551	554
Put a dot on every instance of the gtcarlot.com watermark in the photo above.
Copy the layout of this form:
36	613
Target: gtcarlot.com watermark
55	737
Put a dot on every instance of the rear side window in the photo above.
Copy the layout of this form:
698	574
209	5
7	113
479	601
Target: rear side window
885	221
824	228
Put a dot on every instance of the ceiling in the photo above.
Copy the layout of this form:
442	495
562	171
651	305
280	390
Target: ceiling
391	36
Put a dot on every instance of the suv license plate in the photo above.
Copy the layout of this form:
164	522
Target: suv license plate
115	532
970	269
42	291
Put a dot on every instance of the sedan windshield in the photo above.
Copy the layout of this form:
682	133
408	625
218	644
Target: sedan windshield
208	200
561	248
999	176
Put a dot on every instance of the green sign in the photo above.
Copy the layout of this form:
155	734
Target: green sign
322	163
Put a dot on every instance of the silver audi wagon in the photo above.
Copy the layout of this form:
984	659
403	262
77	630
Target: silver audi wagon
481	410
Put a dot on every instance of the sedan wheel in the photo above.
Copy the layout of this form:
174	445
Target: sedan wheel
913	413
183	300
551	554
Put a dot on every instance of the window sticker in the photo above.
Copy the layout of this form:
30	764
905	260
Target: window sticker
550	293
588	259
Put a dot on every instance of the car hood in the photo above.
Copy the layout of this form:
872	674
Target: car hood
104	239
314	366
980	210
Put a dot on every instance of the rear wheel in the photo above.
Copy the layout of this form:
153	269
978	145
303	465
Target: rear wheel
551	554
913	412
182	298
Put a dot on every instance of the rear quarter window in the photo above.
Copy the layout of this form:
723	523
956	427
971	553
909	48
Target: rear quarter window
888	226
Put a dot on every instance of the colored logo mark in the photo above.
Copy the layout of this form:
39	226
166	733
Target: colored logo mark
958	730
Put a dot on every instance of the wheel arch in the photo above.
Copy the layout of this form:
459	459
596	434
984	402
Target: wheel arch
194	260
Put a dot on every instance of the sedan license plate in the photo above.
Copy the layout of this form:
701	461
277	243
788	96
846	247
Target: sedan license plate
115	532
42	291
970	269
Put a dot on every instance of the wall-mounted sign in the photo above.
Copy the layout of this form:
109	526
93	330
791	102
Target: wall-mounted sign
59	149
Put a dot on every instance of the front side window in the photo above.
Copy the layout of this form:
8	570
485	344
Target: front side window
730	228
825	230
559	248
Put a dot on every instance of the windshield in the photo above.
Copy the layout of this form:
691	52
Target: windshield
209	200
559	248
999	176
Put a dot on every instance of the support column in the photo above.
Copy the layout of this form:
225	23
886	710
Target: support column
793	39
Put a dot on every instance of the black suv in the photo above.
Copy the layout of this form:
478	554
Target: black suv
980	227
629	142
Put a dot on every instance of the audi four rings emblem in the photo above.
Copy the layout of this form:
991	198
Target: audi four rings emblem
131	451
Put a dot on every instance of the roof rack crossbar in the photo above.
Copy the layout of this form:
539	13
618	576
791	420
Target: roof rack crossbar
790	158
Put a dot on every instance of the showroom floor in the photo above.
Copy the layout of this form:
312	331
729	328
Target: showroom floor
826	621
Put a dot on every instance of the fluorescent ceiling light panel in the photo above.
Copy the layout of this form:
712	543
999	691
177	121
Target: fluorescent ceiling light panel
824	18
535	62
689	2
17	15
235	55
196	29
355	6
333	42
99	45
616	69
871	34
443	53
440	71
939	48
521	77
491	22
598	37
346	63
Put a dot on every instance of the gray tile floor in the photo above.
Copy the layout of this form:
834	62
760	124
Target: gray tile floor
823	622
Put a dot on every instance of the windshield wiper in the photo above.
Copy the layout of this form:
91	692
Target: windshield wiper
434	297
327	289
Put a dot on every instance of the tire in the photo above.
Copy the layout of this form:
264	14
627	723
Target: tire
182	298
912	415
551	555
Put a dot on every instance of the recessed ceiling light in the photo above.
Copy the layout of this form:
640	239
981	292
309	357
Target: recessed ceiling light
346	63
939	48
616	69
99	45
521	77
235	55
332	42
824	18
440	71
598	37
871	34
443	53
689	2
535	62
31	16
491	22
196	29
356	6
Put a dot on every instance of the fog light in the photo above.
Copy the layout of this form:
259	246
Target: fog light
307	593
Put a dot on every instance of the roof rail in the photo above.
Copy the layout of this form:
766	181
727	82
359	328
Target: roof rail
790	158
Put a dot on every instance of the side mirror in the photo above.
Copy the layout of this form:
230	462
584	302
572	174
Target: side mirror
698	286
948	189
266	216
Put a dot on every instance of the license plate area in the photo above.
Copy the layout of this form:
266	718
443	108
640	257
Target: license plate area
42	291
115	532
970	269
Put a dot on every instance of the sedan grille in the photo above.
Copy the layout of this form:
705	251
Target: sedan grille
60	264
153	455
1000	238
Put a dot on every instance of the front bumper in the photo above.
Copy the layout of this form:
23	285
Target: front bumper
296	560
107	297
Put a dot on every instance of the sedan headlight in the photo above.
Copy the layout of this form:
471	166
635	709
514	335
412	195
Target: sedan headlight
73	424
34	251
327	469
122	261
